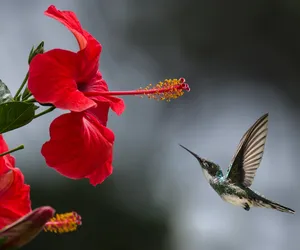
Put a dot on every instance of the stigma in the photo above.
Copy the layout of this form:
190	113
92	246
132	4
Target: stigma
63	223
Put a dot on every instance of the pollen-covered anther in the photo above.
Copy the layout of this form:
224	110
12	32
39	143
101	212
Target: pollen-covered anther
63	223
166	90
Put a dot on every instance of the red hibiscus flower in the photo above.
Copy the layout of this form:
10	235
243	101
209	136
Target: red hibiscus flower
23	230
18	223
80	144
14	193
26	228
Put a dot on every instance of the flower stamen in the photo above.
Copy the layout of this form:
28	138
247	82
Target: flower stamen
166	90
63	223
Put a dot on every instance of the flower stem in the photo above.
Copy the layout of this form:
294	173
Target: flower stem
31	100
13	150
26	96
44	112
22	86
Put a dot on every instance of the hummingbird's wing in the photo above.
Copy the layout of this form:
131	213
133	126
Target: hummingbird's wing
249	153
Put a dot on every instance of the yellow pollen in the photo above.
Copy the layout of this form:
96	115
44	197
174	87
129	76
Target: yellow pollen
166	90
63	223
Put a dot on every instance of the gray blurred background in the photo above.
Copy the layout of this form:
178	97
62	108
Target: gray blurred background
241	58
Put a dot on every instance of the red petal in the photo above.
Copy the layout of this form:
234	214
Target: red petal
6	161
26	228
100	112
3	144
15	200
79	145
84	39
116	104
98	85
52	79
69	19
100	174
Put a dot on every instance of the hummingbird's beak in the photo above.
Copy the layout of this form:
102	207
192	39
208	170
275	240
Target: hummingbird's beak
192	153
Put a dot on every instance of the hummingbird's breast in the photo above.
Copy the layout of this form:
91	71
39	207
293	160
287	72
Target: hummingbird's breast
230	192
237	200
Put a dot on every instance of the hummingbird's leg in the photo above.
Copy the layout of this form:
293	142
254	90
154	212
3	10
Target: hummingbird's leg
246	207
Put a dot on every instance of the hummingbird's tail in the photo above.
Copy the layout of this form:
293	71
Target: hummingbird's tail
280	208
276	206
261	201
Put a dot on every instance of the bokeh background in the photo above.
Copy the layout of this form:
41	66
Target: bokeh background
241	59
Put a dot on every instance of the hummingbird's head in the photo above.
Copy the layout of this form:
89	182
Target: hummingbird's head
209	167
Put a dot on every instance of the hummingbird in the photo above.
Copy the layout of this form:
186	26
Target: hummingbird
234	187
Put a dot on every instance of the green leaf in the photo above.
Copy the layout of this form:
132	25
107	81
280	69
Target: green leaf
14	115
5	95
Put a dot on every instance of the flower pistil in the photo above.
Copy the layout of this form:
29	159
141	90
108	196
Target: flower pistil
63	223
166	90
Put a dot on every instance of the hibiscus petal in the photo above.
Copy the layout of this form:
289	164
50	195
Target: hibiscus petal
116	104
3	145
6	180
15	199
69	19
98	85
100	112
78	145
84	39
6	161
26	228
52	79
100	174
